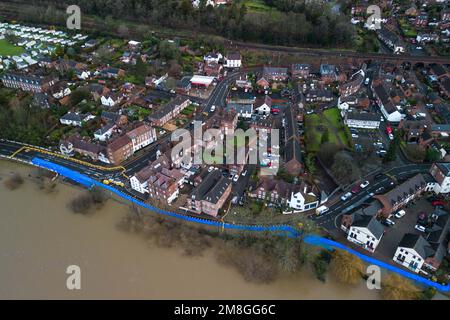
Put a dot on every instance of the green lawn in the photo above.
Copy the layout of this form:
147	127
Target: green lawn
314	126
8	49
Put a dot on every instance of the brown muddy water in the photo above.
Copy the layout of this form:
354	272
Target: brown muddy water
40	237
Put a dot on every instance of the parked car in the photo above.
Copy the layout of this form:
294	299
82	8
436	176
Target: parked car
422	218
356	189
379	190
391	136
364	184
400	214
346	196
235	178
322	210
390	222
438	203
420	228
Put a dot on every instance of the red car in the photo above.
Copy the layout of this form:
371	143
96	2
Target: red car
275	111
356	189
388	130
438	203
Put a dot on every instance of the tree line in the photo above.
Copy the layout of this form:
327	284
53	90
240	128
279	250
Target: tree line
305	23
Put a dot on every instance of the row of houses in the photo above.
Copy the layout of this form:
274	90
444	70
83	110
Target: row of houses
363	226
117	149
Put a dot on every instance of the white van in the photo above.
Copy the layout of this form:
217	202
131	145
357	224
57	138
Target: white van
322	210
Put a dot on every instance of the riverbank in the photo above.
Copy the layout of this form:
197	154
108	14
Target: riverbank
40	237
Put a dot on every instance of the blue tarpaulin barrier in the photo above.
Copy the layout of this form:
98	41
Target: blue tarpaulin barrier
281	230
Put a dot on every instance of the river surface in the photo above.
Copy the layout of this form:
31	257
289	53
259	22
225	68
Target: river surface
40	237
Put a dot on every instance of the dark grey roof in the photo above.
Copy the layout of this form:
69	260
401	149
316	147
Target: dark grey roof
211	188
439	231
234	56
363	116
104	129
371	223
292	149
72	116
274	71
444	167
110	116
23	78
168	107
418	243
406	189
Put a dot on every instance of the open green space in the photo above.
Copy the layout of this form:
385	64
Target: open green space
328	123
8	49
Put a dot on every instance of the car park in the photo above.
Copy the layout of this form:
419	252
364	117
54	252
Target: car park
364	184
346	196
400	214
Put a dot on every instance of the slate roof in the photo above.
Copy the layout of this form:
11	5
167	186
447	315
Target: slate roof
363	116
418	243
371	223
211	188
292	149
404	190
444	167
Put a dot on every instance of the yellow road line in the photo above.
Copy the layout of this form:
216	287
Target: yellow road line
85	163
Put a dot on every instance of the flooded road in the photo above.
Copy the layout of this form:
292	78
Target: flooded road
40	237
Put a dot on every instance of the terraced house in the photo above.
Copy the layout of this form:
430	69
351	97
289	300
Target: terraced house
210	195
28	83
296	198
402	194
169	111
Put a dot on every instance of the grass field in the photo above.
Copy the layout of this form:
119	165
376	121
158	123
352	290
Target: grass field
315	125
8	49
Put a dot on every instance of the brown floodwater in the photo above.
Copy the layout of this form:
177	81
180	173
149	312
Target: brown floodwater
40	237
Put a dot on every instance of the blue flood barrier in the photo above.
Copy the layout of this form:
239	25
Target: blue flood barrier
281	230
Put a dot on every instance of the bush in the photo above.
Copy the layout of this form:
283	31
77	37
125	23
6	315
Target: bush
81	204
14	182
320	265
